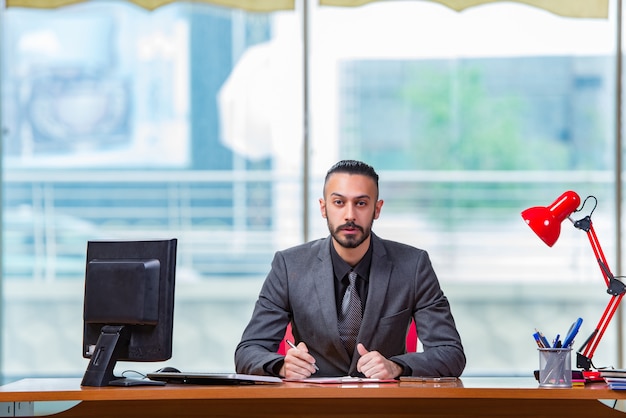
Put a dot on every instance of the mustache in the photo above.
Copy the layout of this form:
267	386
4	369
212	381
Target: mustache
349	225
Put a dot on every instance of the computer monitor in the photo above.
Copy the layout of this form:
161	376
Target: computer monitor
128	307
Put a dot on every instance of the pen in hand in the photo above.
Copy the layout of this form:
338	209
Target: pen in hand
292	345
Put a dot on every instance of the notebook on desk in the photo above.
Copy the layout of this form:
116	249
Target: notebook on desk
211	378
341	380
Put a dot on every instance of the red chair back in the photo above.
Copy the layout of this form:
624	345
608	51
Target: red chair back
411	339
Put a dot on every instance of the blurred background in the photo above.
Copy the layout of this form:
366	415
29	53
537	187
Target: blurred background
216	126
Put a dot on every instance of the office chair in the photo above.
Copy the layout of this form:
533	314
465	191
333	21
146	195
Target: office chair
411	339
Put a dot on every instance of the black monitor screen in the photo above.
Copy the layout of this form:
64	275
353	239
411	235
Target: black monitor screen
128	306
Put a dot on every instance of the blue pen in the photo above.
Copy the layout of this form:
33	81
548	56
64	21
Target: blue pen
573	330
544	340
538	340
557	343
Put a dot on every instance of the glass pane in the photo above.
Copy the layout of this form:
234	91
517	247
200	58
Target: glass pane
121	123
470	118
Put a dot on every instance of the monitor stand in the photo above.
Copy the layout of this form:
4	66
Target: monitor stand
112	340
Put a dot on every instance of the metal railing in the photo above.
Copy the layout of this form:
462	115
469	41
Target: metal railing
230	223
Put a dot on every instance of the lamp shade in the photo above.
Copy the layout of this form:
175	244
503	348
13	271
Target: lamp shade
546	220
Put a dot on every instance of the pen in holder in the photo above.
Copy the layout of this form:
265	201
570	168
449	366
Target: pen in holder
555	367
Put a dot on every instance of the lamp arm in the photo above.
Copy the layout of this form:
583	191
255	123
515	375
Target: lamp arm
615	288
586	225
586	351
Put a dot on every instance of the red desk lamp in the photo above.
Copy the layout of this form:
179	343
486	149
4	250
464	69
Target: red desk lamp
546	222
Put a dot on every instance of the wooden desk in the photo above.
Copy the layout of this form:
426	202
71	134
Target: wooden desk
470	397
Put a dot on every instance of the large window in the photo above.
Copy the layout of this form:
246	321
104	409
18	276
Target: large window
472	117
189	122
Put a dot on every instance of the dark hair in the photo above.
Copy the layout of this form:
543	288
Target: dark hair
352	167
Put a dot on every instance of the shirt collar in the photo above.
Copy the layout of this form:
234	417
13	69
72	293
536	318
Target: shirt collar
341	268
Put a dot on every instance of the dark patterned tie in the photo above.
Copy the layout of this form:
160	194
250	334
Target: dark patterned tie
350	316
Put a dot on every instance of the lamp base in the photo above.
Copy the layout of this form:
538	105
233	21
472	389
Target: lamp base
583	362
592	376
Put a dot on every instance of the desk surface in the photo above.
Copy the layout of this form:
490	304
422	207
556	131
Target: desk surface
519	396
64	389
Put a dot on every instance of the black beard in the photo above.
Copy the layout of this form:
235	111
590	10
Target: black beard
350	241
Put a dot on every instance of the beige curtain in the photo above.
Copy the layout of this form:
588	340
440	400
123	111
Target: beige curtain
569	8
249	5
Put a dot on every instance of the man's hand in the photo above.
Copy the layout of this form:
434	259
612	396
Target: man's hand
373	364
299	364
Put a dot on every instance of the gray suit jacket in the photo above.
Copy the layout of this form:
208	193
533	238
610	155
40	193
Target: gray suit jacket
402	285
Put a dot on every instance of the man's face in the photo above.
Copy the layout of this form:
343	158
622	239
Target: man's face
350	206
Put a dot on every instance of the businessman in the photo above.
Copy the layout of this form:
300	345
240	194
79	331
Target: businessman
350	298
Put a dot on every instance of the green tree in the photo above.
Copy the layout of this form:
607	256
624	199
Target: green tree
458	125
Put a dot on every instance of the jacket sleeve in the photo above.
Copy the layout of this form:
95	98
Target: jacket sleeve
443	353
256	353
